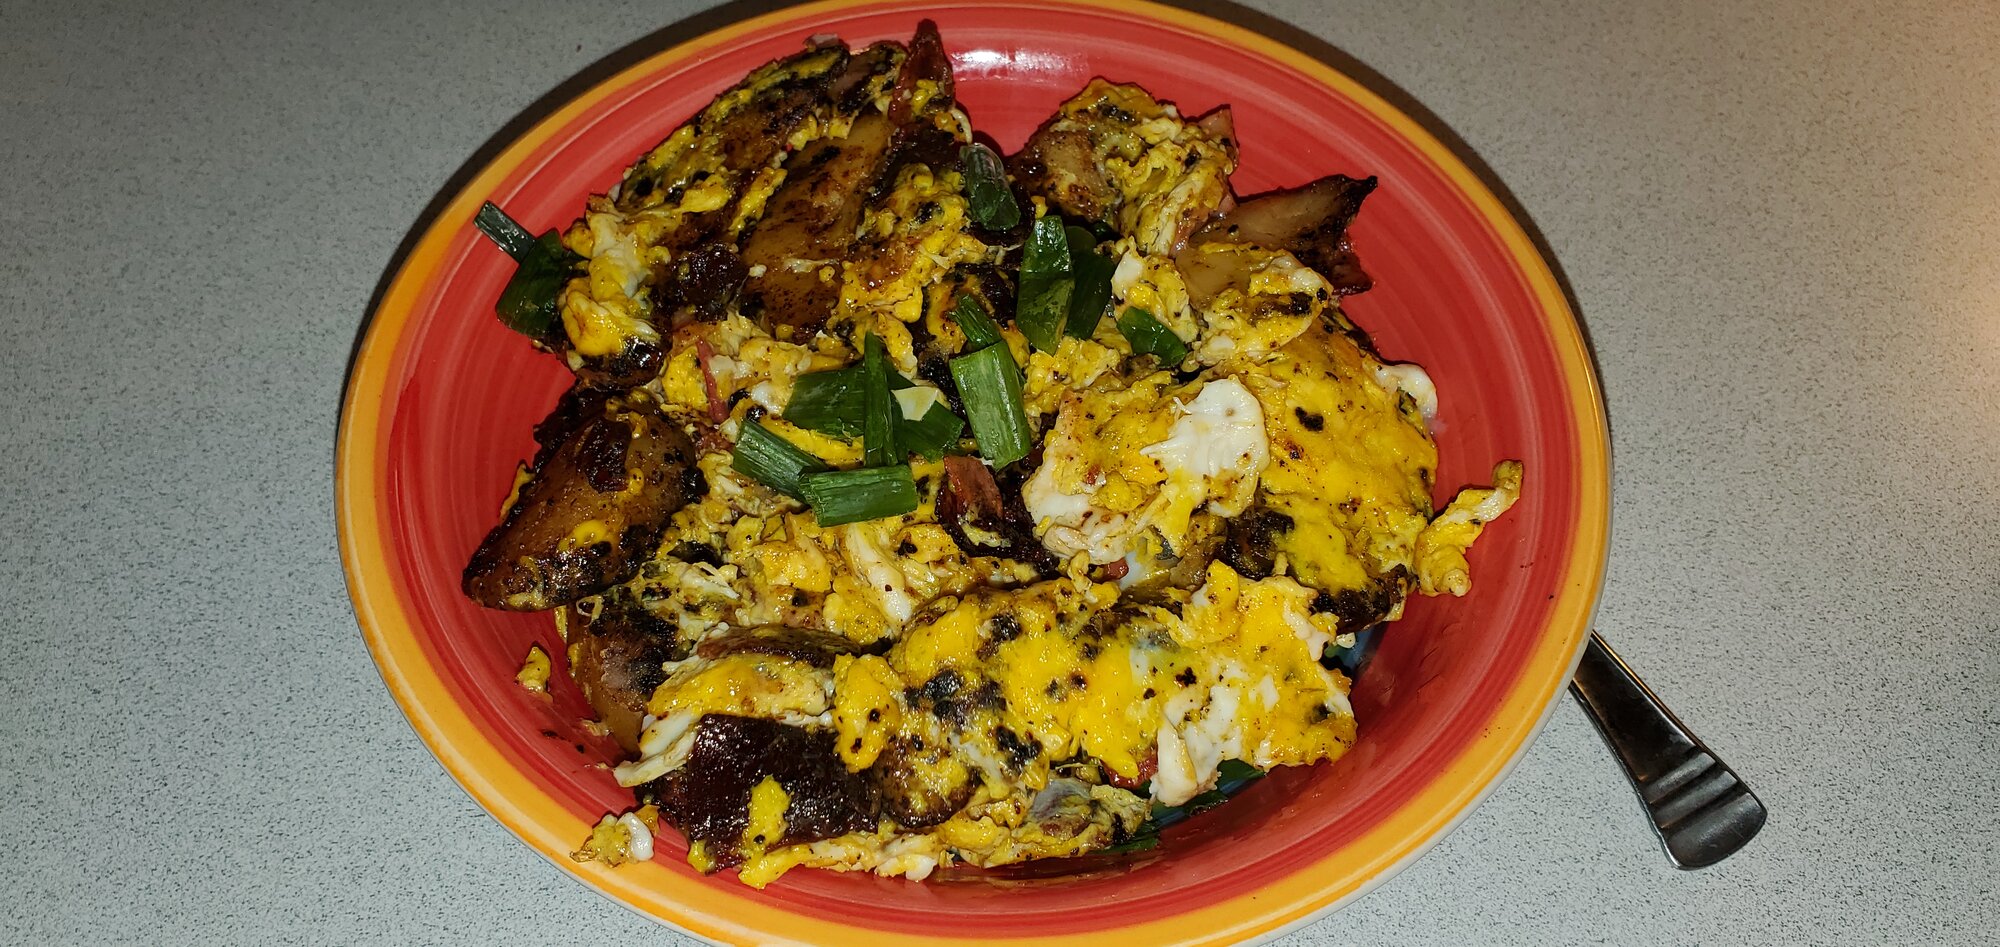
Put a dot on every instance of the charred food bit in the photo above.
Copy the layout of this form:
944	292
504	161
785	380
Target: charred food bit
709	798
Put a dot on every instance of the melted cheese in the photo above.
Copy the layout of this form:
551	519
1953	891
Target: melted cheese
746	685
1235	679
763	859
1440	548
1349	468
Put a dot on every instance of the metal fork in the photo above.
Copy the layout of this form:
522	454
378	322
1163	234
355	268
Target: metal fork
1701	810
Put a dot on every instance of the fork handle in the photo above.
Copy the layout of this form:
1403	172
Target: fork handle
1701	810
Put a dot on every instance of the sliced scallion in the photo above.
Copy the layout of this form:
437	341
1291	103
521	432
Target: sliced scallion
854	496
1047	252
1041	309
979	328
1091	272
528	304
989	383
832	402
771	460
930	435
1041	302
829	402
1149	336
924	423
505	232
878	415
992	201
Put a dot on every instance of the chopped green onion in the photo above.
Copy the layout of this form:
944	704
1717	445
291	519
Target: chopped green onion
529	303
869	493
505	232
829	402
929	433
1149	336
1092	273
878	415
1041	302
979	328
1041	309
771	460
989	383
986	190
1047	252
542	267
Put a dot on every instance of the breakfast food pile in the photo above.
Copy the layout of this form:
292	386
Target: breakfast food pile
916	507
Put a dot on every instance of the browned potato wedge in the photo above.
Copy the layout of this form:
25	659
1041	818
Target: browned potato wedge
809	227
1310	222
1057	165
617	658
748	132
591	513
810	645
743	133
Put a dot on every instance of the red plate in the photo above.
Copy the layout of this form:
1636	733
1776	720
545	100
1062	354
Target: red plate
442	398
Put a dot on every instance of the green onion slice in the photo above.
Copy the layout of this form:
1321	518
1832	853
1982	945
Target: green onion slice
829	402
1041	302
771	460
979	328
542	267
505	232
1092	272
878	414
1047	252
992	201
1041	309
924	423
832	402
989	384
854	496
1149	336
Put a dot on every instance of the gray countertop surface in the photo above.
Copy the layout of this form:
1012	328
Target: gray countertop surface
1781	222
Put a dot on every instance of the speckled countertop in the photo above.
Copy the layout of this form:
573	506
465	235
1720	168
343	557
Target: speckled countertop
1782	227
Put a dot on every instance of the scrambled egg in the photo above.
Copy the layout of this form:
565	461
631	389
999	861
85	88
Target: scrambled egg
534	673
618	839
1207	530
1145	457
